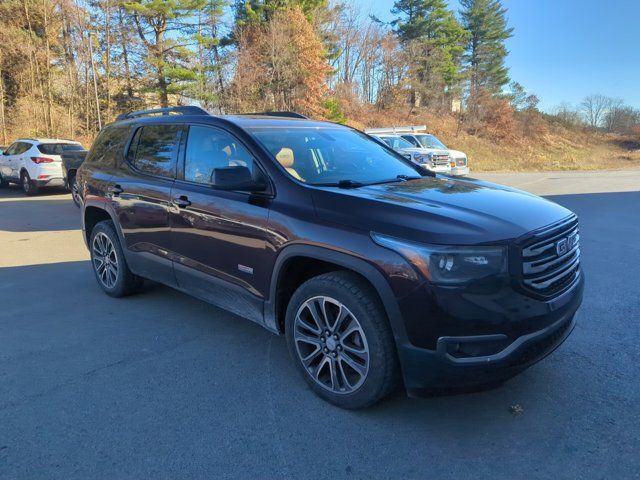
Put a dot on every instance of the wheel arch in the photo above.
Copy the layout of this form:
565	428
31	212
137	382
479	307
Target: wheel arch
318	260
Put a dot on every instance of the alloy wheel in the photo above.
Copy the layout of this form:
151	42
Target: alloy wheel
26	186
331	344
105	261
75	192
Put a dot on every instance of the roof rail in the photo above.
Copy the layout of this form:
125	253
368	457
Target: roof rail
276	114
183	110
396	130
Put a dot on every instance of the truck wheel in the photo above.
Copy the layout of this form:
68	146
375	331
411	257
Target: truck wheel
28	187
109	264
75	193
340	339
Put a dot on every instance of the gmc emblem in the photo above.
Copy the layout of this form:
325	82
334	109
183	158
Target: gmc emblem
566	244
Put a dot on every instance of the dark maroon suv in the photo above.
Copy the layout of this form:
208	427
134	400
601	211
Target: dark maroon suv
377	272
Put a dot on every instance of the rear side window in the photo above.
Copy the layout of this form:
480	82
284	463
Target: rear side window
59	148
156	150
108	147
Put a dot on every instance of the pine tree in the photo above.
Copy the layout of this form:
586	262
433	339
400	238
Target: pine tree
486	51
164	29
248	11
435	39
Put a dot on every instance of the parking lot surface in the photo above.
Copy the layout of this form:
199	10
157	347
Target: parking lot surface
161	385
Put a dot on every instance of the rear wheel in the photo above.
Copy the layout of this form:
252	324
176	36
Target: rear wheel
28	187
109	265
339	337
75	193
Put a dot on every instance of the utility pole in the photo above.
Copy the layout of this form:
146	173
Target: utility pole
95	82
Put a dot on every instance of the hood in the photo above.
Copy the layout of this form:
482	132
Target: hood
439	210
457	154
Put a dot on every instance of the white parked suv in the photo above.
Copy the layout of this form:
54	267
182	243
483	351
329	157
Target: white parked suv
35	163
419	138
434	159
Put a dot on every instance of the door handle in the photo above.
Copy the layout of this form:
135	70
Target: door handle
181	202
116	190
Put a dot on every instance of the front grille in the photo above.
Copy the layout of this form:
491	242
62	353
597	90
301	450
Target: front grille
440	160
551	259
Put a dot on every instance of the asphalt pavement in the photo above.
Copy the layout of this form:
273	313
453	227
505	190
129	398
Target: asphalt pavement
161	385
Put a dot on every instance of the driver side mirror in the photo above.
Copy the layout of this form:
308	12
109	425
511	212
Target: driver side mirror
237	178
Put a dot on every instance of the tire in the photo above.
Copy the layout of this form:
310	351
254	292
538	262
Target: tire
108	262
3	182
362	326
28	187
73	188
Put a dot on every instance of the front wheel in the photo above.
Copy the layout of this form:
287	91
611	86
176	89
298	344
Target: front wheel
3	182
109	265
339	337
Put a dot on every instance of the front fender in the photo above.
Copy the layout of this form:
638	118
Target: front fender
358	265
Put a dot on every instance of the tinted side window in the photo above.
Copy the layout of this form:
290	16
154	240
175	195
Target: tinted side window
411	139
108	147
210	148
12	148
22	147
58	148
157	150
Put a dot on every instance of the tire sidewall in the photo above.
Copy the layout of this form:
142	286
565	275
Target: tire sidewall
369	392
118	289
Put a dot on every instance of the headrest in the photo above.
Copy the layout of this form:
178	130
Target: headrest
285	157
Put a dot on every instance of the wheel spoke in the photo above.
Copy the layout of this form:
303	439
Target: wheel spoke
308	360
318	317
301	337
359	369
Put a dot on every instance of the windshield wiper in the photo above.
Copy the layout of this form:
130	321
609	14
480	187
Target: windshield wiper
341	184
408	177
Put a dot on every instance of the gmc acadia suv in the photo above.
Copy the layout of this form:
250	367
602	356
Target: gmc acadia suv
375	270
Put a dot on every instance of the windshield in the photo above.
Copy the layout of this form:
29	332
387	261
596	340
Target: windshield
58	148
396	143
429	141
326	156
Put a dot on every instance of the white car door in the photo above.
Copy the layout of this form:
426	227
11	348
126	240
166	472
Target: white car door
19	159
6	160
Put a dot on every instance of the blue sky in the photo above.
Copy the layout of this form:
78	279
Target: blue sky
563	50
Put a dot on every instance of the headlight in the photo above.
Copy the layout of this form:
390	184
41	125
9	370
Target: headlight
449	265
421	158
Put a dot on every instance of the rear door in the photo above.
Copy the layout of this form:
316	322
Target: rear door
140	192
220	238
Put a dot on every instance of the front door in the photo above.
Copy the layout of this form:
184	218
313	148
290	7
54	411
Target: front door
141	195
6	167
220	238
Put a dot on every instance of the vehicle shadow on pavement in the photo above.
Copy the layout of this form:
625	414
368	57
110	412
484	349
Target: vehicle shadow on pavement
38	215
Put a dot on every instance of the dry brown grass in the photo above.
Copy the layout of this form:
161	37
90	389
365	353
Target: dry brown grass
558	148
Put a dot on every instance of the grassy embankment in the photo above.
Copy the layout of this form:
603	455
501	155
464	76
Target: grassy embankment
554	148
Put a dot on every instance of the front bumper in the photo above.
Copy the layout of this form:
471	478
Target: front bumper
460	171
470	361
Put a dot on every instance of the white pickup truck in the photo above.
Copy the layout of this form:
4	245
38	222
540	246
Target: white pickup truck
417	137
